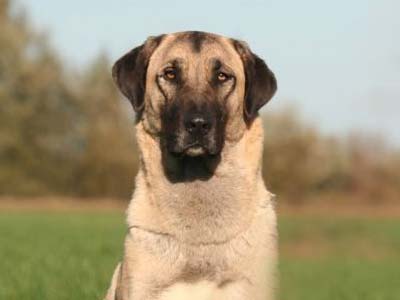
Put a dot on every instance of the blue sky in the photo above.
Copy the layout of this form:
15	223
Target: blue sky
338	62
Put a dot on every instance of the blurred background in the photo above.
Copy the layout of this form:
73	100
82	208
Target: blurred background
332	141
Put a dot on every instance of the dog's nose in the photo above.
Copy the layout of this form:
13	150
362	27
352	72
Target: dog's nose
198	125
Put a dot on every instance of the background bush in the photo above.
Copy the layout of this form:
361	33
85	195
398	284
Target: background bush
68	132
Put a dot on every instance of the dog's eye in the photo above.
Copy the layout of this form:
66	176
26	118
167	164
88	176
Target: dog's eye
170	73
222	77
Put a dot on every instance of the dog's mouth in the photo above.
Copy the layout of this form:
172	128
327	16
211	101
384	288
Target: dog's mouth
192	150
195	149
195	160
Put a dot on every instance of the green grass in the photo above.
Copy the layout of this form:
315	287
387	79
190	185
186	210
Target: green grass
72	256
340	258
59	255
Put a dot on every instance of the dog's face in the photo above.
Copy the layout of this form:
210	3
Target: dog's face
194	89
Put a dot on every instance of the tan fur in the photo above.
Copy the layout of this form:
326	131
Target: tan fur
200	240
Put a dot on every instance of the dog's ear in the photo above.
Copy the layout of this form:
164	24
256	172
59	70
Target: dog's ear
260	82
129	72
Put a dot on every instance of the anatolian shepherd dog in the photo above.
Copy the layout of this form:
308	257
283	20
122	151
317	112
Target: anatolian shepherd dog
201	223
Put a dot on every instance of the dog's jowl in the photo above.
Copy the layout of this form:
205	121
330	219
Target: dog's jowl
201	224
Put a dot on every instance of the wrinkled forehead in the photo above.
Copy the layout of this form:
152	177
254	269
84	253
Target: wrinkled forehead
195	48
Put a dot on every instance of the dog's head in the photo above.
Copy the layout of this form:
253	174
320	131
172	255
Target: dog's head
194	89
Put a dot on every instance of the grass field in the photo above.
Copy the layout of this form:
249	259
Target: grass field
71	255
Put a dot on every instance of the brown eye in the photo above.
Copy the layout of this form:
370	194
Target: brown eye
170	73
222	77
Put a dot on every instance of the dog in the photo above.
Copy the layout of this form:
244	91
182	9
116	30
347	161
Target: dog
201	224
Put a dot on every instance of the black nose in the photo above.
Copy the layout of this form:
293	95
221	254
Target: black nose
198	125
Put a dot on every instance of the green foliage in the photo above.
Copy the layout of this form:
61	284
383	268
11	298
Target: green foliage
301	163
108	158
60	133
35	110
72	256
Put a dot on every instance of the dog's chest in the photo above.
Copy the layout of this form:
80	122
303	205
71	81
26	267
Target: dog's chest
212	261
202	290
189	262
204	271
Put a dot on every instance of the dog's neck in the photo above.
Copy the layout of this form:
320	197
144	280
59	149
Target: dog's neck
211	208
